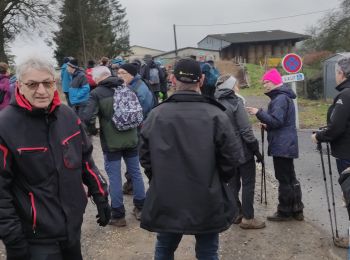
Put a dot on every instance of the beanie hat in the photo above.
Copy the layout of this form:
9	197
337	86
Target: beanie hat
187	71
130	68
274	76
225	82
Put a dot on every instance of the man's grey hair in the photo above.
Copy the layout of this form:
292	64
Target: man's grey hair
343	65
38	63
100	71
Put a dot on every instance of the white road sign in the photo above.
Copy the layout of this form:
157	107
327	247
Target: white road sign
293	77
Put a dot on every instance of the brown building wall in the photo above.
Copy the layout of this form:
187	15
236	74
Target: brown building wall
256	52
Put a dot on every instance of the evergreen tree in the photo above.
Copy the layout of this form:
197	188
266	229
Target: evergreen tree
91	29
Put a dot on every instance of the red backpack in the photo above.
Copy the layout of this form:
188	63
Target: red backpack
91	81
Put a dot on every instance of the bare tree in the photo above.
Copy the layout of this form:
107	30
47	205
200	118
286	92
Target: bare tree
17	16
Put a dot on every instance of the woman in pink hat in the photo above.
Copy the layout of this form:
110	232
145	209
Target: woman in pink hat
279	122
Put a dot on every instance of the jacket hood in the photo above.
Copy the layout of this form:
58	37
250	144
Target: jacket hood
223	93
282	90
22	102
343	85
111	82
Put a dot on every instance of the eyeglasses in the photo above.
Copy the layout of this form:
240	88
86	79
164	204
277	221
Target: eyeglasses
35	85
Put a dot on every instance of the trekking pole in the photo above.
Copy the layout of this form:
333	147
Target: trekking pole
319	147
263	173
332	191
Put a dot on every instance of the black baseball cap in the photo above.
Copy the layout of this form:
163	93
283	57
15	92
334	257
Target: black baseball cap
187	71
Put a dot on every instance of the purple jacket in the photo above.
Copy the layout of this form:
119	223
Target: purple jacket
5	85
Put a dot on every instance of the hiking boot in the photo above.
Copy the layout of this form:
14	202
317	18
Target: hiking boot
277	216
342	242
252	224
137	213
127	188
238	219
118	222
298	216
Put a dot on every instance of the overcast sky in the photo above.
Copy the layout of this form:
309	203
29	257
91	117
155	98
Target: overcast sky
151	21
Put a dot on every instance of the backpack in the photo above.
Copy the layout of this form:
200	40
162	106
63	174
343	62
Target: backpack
91	81
154	76
127	111
211	74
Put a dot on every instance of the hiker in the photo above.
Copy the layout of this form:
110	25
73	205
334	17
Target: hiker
66	79
128	72
337	131
153	75
189	153
211	76
164	83
5	92
115	145
226	95
45	157
79	87
279	122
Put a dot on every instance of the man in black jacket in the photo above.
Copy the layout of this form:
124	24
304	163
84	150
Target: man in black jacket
45	158
337	132
189	153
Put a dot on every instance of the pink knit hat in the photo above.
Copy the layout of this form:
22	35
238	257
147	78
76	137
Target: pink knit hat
274	76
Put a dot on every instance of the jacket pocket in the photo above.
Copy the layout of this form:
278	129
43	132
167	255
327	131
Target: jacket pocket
35	163
33	211
72	151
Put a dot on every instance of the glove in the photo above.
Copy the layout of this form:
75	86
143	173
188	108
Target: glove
104	212
259	157
19	251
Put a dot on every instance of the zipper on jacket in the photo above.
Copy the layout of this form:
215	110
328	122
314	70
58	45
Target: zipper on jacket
32	149
32	202
65	141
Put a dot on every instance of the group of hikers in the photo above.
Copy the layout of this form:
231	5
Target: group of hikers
197	148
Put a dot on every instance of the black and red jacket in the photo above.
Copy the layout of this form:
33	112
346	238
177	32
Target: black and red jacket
45	158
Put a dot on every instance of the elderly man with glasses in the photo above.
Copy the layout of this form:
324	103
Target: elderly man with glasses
45	158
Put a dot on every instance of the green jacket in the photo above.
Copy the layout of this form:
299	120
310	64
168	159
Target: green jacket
100	104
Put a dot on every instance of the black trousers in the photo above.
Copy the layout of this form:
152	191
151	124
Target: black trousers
246	172
56	251
289	191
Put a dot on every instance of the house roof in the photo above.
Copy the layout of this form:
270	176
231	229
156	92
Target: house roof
260	36
181	49
146	48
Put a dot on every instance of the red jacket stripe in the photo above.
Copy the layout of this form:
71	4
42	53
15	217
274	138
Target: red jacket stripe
96	178
5	152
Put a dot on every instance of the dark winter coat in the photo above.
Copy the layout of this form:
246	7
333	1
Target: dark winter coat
5	86
280	120
188	151
337	131
100	104
240	122
45	158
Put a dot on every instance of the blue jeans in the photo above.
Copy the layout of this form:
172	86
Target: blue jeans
342	165
112	167
206	246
